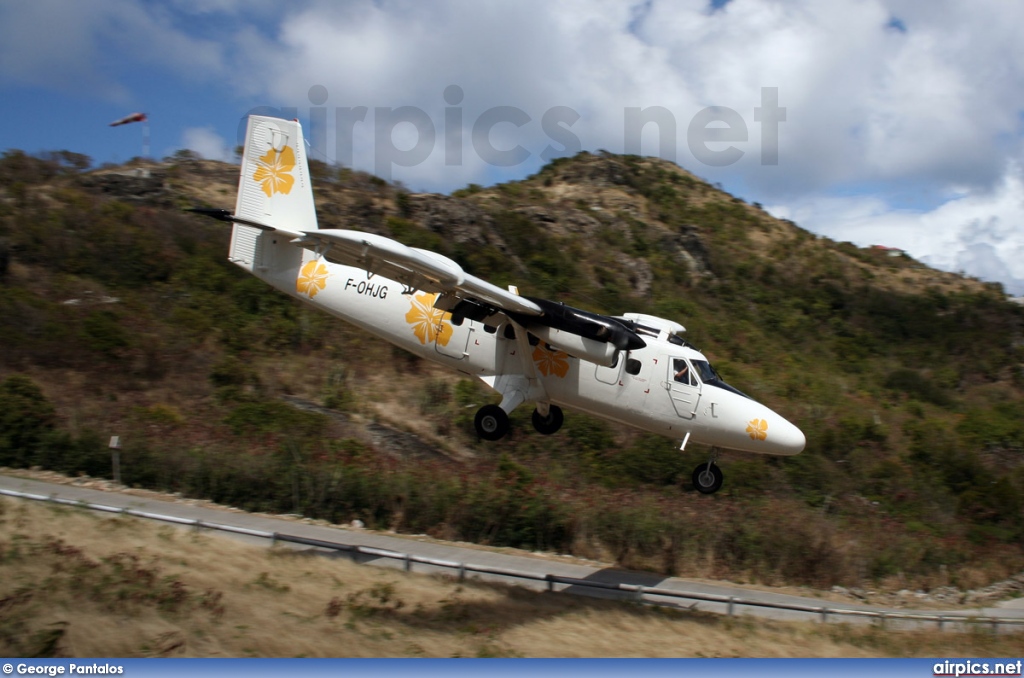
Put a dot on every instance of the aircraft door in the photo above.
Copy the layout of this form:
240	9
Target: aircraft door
610	375
457	344
682	386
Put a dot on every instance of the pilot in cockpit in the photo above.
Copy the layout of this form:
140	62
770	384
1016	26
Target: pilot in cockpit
682	371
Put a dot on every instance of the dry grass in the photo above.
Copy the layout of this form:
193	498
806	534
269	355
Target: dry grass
77	583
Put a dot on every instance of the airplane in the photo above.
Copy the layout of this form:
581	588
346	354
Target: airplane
634	369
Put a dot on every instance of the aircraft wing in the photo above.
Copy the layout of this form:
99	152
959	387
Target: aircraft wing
416	268
597	337
473	297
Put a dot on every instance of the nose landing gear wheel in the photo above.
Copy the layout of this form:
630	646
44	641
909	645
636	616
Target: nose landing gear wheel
491	422
551	423
707	478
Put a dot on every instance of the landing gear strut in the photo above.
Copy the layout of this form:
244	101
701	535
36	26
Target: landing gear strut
491	422
550	423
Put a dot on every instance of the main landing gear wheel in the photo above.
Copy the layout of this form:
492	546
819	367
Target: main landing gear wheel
491	422
551	423
707	478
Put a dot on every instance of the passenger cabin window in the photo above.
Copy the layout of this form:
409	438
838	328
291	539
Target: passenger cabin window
632	366
682	373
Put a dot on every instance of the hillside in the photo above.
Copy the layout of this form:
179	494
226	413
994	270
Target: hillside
119	315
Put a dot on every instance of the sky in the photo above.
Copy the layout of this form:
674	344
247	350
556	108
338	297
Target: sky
889	122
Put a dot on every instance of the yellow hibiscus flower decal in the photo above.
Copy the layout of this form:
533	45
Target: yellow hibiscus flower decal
428	323
551	362
757	429
312	278
274	171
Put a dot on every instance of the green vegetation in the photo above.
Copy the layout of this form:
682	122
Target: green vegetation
120	315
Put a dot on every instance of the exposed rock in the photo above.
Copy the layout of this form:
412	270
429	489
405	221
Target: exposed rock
1008	588
137	184
640	276
580	223
400	444
690	248
594	170
461	221
536	213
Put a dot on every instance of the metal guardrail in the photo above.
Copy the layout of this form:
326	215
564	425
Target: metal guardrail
639	593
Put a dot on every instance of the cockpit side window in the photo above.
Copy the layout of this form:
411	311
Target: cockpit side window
681	372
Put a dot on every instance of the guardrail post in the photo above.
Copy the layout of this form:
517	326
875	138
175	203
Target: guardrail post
551	582
995	626
732	603
942	622
462	572
408	563
273	540
824	615
639	594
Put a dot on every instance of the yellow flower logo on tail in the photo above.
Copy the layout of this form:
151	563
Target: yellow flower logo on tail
757	429
429	323
273	171
551	363
312	278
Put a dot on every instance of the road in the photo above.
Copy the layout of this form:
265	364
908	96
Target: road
491	558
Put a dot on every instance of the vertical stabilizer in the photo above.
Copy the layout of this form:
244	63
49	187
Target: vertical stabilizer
273	189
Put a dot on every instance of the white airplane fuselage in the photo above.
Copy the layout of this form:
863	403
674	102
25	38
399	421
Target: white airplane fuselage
649	399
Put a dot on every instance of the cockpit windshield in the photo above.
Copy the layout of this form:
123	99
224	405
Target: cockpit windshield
708	375
705	371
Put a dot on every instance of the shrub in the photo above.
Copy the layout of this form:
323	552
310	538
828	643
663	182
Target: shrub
26	419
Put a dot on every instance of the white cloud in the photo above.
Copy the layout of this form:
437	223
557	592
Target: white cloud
934	108
864	101
86	46
207	143
980	233
883	98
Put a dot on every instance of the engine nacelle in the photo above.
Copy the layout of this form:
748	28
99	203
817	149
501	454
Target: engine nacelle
599	352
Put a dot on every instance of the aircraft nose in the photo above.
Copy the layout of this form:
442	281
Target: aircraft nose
788	439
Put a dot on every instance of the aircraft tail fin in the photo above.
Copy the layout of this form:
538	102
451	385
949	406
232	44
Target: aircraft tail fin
274	189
